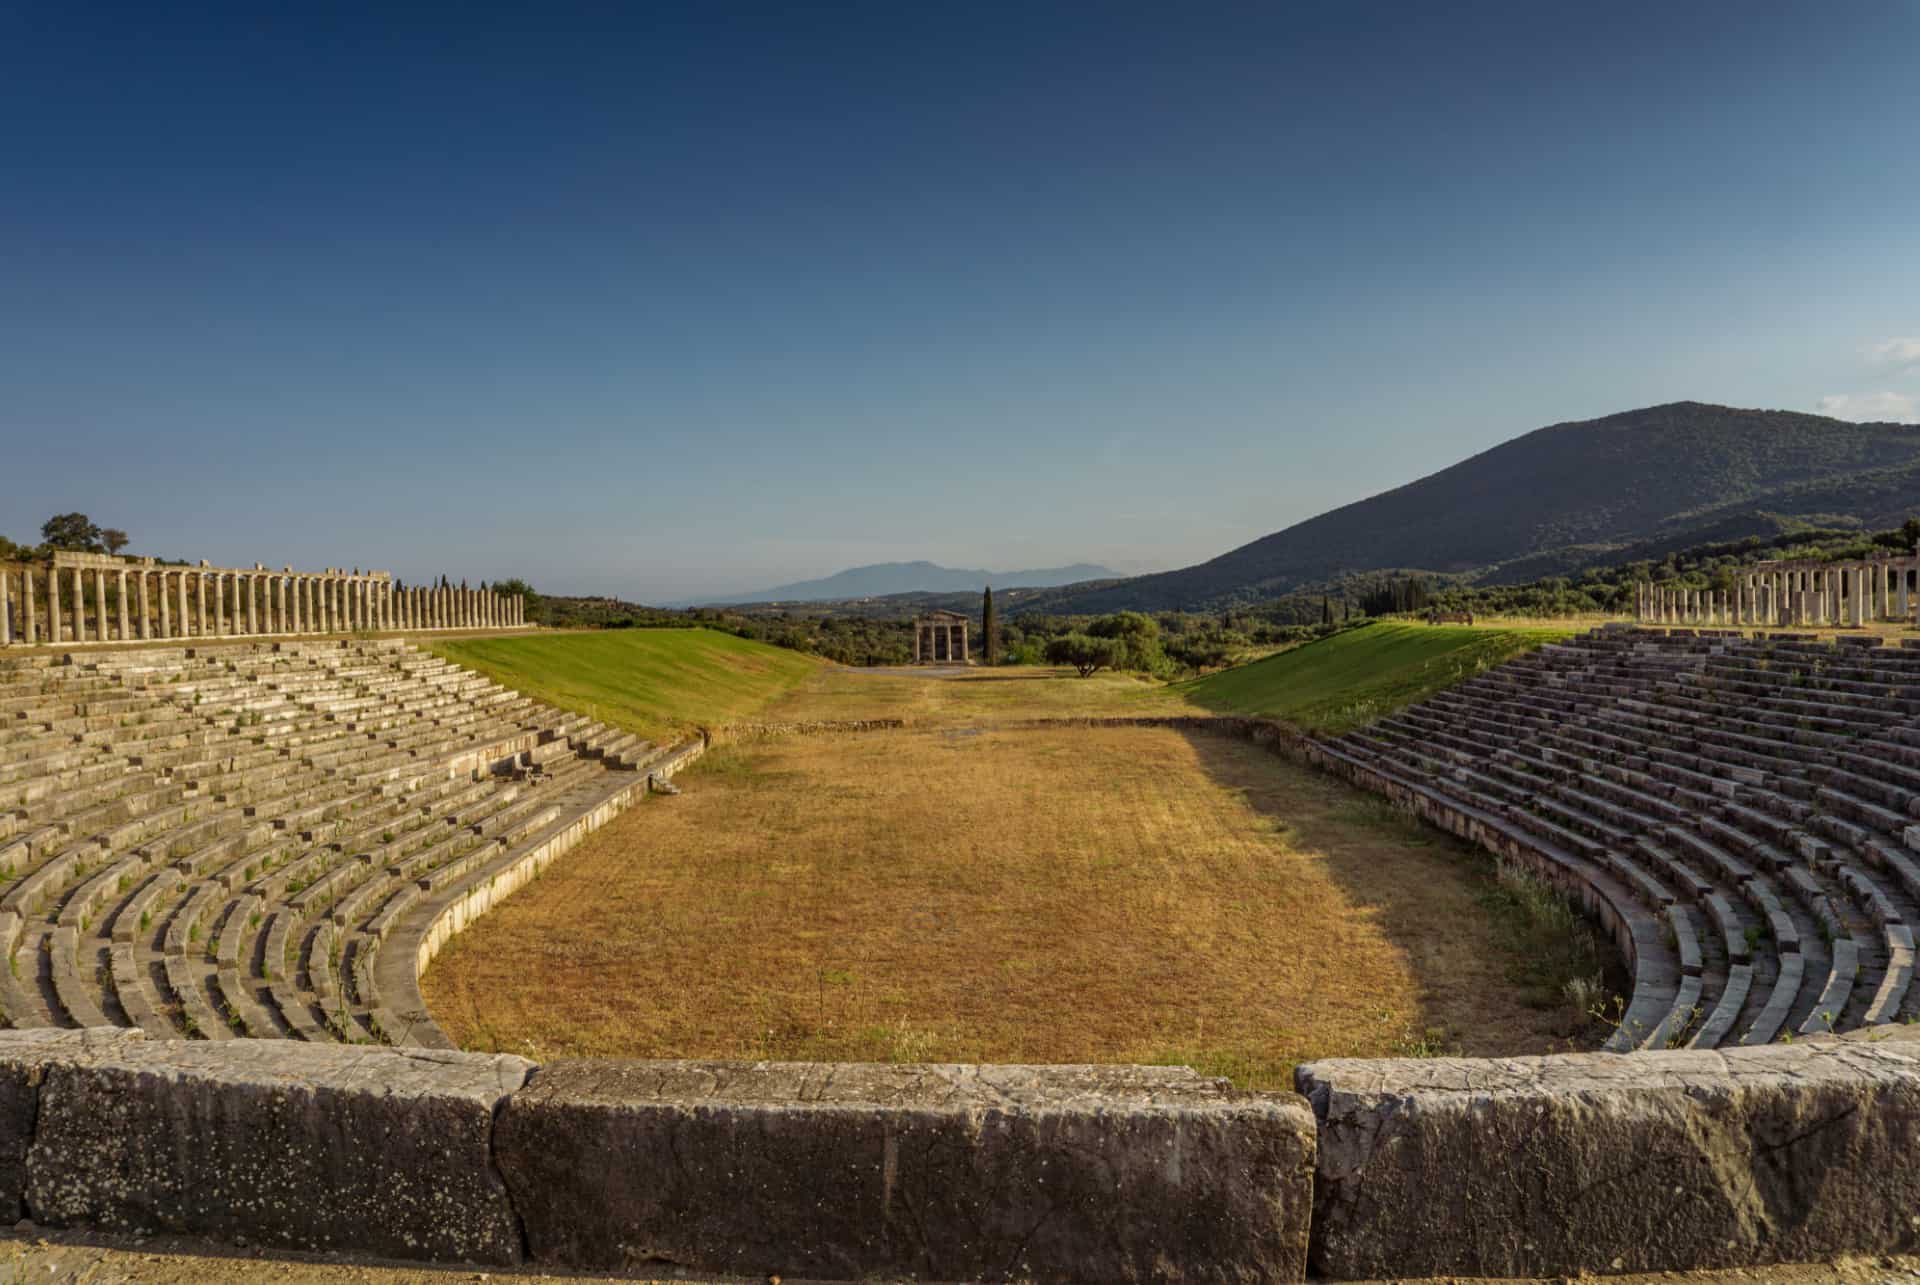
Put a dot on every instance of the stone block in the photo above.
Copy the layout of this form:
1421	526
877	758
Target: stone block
384	1152
1105	1174
1647	1162
25	1056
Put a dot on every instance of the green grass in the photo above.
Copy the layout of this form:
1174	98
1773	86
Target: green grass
1352	678
661	683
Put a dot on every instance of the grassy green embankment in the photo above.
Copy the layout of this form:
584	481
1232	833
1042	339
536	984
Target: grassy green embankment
657	682
1352	678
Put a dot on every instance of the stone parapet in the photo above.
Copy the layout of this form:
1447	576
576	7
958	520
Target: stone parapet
930	1172
1663	1161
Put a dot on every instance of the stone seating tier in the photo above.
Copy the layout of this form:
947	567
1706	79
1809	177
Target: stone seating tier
1755	794
210	842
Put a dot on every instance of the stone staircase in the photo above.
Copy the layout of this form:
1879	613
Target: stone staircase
216	841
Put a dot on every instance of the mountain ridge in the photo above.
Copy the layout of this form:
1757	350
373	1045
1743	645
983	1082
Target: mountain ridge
884	579
1561	497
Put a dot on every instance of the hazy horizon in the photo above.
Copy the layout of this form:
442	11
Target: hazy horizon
668	303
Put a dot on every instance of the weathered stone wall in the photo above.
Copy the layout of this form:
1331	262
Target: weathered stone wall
93	598
1096	1174
1388	1168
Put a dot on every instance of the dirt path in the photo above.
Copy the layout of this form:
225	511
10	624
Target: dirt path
64	1258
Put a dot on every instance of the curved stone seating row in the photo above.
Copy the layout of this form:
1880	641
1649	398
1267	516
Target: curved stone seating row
212	842
1752	800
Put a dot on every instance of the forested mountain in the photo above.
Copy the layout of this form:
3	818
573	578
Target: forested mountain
1564	497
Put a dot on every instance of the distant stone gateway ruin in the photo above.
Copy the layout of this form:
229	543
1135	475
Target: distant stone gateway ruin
940	637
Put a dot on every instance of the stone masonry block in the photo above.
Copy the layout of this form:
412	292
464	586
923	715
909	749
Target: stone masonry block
25	1056
382	1151
1591	1162
1107	1174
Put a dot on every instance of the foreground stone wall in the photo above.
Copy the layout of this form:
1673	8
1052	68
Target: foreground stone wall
1389	1168
87	597
1097	1174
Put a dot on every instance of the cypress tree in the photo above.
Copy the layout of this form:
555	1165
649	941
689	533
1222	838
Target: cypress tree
989	635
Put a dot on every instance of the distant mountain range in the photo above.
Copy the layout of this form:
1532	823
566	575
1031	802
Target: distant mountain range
883	578
1634	485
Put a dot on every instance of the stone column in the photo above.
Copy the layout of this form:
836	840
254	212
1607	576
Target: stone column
124	614
6	607
1862	585
26	594
1900	607
53	606
166	608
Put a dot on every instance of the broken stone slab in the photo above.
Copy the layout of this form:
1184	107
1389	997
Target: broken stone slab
1659	1161
383	1151
1107	1174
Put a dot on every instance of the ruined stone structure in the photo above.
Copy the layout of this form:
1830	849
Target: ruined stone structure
1740	812
1805	593
88	597
272	839
940	637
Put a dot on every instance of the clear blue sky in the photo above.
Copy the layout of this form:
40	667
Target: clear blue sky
660	300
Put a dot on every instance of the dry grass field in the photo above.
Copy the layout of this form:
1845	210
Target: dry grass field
982	894
973	696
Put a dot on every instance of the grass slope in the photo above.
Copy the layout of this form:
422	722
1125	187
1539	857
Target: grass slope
657	682
1352	678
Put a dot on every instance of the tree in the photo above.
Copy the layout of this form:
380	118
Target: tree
1083	652
114	539
71	532
989	634
1136	637
518	588
1911	530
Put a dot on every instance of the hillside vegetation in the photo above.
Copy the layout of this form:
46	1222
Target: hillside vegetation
1566	497
1341	682
661	683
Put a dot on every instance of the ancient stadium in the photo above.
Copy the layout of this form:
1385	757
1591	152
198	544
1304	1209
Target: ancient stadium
297	906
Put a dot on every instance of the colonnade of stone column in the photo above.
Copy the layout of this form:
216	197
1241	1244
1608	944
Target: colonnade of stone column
81	598
1831	594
